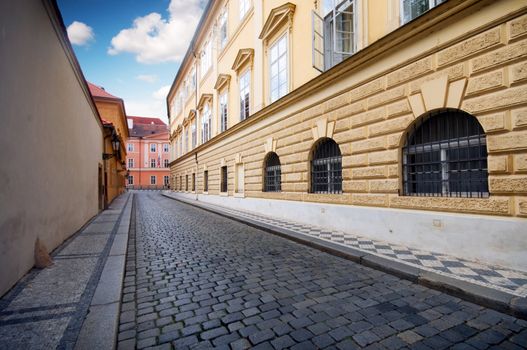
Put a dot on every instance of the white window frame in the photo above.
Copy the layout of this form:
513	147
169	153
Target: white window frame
194	132
244	5
166	180
285	54
223	32
130	147
152	162
165	163
166	148
153	177
153	147
130	180
406	19
244	89
206	58
131	163
206	121
224	110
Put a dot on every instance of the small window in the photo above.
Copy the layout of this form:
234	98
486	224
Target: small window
186	182
180	182
130	147
165	163
411	9
152	147
224	102
152	180
272	173
245	5
206	181
278	68
130	179
130	162
326	167
193	182
245	91
240	178
223	187
165	180
165	147
445	155
152	162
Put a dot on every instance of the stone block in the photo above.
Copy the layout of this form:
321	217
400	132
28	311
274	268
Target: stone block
484	41
498	164
411	71
292	177
383	157
355	160
350	110
486	82
497	100
455	72
521	207
518	27
337	102
369	145
507	142
495	205
518	72
387	96
394	140
314	111
519	118
508	184
520	163
367	89
369	199
358	133
499	57
368	117
393	170
384	186
342	125
397	108
391	126
355	186
369	172
493	122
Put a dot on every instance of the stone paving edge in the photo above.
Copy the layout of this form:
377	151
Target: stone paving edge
481	295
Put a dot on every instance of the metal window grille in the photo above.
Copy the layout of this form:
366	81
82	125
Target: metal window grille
193	182
446	156
206	181
272	174
224	179
326	168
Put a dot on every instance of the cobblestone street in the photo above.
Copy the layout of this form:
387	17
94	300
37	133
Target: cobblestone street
197	280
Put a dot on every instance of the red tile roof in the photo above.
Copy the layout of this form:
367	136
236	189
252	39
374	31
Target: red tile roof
148	127
145	120
98	91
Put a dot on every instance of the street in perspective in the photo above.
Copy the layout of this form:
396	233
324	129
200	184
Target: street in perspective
263	174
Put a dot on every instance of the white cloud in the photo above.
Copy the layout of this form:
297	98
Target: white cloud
147	108
149	78
161	93
153	39
79	33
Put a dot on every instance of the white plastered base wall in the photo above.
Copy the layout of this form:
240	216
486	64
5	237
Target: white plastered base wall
486	239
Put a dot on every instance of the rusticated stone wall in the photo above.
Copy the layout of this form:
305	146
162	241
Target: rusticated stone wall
484	74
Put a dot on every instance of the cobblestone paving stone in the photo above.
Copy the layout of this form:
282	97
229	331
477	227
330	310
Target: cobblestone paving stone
197	280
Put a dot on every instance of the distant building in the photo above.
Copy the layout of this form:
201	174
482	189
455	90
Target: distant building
113	114
148	153
51	137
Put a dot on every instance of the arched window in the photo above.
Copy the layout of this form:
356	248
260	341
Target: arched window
326	167
272	173
446	155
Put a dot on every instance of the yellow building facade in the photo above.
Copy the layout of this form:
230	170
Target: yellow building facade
403	121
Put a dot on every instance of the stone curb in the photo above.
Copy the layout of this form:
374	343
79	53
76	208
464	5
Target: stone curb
478	294
100	327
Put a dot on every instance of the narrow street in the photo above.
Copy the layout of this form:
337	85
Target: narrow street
197	280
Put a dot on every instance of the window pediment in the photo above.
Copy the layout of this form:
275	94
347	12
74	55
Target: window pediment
277	18
223	79
243	57
204	99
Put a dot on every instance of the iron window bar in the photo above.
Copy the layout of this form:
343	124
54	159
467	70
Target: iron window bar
224	179
326	168
273	173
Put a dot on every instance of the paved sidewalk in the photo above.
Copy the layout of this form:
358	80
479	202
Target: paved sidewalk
46	309
502	288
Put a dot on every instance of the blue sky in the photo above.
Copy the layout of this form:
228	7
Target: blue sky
132	48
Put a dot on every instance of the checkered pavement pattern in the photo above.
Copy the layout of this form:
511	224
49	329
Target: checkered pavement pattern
500	278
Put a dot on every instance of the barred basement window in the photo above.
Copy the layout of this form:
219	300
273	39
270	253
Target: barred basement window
445	155
326	167
272	173
186	182
180	182
223	179
206	181
193	182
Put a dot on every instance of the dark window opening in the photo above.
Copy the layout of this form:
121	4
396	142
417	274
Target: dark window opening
206	181
224	179
272	173
326	168
193	182
186	182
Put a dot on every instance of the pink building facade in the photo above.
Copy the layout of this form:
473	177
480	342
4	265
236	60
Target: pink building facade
148	153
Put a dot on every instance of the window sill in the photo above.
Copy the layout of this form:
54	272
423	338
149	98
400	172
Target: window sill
205	192
224	194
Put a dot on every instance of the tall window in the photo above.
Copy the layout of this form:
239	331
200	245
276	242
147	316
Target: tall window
206	181
186	182
194	133
224	101
245	5
130	147
326	167
130	162
186	140
152	162
152	180
206	121
272	173
165	147
411	9
279	70
130	179
152	147
245	88
192	86
223	28
180	182
239	172
223	179
446	155
193	182
165	163
165	180
206	58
